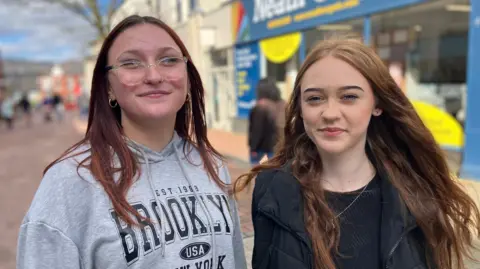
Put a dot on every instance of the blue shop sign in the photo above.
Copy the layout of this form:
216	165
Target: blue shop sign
471	154
266	18
247	75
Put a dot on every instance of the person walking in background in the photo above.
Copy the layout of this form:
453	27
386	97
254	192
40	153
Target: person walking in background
7	110
58	106
2	98
359	181
26	108
83	103
266	121
144	188
47	107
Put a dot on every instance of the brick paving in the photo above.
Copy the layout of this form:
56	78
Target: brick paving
24	153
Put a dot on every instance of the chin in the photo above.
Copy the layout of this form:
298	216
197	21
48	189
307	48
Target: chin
331	147
158	113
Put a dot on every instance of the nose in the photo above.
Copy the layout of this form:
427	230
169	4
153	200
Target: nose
331	110
152	74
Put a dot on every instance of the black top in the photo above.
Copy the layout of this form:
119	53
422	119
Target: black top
262	130
283	242
359	226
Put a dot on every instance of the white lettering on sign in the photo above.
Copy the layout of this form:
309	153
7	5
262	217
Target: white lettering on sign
267	9
477	21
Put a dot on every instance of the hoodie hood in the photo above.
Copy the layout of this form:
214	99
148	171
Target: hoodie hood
145	154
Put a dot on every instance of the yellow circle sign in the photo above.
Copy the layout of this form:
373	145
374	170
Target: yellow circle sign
281	48
445	129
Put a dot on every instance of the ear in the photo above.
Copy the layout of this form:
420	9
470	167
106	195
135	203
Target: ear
377	112
111	95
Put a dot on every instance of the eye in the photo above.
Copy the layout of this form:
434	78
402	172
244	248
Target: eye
170	60
314	99
349	97
130	64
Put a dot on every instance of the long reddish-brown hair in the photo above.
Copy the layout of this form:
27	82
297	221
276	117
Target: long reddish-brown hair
403	147
104	132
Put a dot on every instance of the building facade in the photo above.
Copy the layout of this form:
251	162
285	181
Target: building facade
67	82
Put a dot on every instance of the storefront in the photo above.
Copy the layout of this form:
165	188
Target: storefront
427	45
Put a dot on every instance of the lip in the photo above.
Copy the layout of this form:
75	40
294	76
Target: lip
154	94
332	131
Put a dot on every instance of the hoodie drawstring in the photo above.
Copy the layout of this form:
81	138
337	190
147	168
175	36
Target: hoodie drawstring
152	188
203	206
197	196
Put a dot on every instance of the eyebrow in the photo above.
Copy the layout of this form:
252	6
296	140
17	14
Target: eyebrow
138	52
343	88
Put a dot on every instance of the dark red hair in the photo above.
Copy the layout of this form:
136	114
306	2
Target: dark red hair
105	134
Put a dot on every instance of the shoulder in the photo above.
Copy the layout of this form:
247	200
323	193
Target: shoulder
72	167
276	183
194	158
259	108
65	192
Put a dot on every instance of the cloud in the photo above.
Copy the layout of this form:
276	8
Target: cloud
42	32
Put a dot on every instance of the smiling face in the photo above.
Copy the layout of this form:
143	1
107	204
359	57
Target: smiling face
337	103
162	90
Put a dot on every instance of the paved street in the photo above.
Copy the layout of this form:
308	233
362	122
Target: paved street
24	153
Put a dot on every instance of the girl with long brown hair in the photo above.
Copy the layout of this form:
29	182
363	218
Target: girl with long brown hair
144	188
357	181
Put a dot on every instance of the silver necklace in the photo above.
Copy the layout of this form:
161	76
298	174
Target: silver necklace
332	223
354	200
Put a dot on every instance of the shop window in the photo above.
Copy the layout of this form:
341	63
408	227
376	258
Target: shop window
347	29
179	11
277	71
429	42
280	71
219	57
193	5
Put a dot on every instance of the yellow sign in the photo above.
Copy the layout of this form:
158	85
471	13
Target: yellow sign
281	48
313	13
327	10
445	129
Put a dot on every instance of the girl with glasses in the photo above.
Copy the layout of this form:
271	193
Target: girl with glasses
144	188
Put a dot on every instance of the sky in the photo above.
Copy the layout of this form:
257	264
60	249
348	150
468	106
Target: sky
42	32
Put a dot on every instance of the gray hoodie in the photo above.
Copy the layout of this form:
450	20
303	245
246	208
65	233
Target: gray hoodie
71	222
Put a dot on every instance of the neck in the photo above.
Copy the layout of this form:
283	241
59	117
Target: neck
155	134
348	171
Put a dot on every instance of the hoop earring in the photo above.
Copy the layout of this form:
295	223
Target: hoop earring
112	103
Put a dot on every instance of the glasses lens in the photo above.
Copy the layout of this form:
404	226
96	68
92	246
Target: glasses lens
172	67
131	76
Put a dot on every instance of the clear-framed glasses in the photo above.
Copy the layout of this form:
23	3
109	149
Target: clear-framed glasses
133	72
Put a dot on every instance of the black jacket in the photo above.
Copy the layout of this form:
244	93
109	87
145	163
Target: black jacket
281	240
262	129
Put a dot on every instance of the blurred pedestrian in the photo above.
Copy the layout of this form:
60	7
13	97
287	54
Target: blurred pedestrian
266	121
83	103
58	106
7	110
358	181
144	188
26	108
48	108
